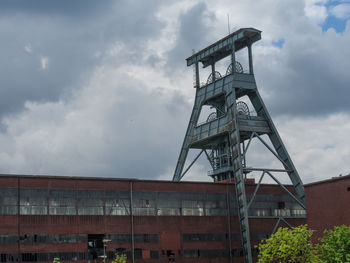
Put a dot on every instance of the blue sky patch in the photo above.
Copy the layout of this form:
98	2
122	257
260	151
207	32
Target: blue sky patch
279	43
336	23
332	21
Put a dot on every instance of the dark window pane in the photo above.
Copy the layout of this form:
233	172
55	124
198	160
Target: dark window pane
86	202
118	194
144	195
62	193
8	192
154	254
8	200
91	193
34	192
8	239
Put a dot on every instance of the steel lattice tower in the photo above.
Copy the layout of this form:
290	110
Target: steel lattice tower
226	135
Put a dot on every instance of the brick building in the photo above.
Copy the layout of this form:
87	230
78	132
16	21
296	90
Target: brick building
328	204
43	217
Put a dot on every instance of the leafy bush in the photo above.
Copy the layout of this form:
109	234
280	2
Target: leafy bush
335	245
288	245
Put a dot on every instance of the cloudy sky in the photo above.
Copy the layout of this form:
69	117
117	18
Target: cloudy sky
101	88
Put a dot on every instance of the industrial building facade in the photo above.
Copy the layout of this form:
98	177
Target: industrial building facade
150	221
328	204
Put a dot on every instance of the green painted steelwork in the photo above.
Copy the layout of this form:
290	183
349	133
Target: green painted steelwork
226	135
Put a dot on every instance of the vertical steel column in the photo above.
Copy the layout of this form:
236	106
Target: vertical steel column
191	125
234	140
198	84
250	57
213	72
233	58
243	155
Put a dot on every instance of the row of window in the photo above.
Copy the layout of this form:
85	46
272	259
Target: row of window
71	195
64	238
138	238
74	238
98	202
72	256
122	211
43	210
120	238
95	194
27	257
220	237
216	253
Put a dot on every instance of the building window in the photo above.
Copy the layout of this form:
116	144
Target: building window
154	254
281	205
8	239
204	237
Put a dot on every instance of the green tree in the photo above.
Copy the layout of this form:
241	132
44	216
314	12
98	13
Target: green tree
56	260
288	245
335	245
119	258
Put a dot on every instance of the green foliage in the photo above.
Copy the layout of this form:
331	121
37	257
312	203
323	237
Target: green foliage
56	260
335	245
288	245
119	258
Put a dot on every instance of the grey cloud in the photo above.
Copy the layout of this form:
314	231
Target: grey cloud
69	44
193	34
308	76
125	131
76	8
149	133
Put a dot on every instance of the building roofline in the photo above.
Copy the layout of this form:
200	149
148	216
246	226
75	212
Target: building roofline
333	179
113	179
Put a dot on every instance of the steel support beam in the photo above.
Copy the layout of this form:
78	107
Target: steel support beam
195	159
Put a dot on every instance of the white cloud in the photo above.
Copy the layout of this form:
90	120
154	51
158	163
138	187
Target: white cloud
316	11
116	124
320	146
341	11
44	62
169	15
